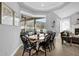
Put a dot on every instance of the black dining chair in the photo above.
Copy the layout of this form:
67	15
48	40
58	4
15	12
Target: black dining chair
45	44
27	44
65	36
53	34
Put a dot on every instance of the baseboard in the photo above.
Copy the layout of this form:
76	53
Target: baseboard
16	50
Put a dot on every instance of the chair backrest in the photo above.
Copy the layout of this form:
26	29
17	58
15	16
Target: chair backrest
53	36
47	39
25	40
65	33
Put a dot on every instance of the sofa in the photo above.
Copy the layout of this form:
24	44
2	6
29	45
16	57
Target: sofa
65	36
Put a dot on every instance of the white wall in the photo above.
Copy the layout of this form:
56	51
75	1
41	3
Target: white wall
73	21
9	35
9	39
49	19
68	10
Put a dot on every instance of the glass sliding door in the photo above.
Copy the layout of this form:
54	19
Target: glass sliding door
29	27
34	26
40	25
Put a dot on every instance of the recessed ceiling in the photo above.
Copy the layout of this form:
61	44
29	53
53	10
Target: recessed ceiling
68	10
43	6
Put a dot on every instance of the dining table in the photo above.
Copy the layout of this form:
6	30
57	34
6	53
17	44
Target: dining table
37	38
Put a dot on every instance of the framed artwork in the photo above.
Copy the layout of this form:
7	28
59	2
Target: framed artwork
77	21
53	24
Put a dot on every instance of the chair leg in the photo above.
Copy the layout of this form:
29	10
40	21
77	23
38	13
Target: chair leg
49	48
37	50
62	41
53	45
45	52
71	42
23	52
29	52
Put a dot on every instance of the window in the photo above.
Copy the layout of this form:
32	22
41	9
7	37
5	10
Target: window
16	20
29	26
40	24
64	25
34	25
22	24
7	15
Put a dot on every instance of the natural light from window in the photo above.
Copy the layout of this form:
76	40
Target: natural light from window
64	25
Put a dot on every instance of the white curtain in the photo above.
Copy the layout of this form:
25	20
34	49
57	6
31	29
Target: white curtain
65	25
